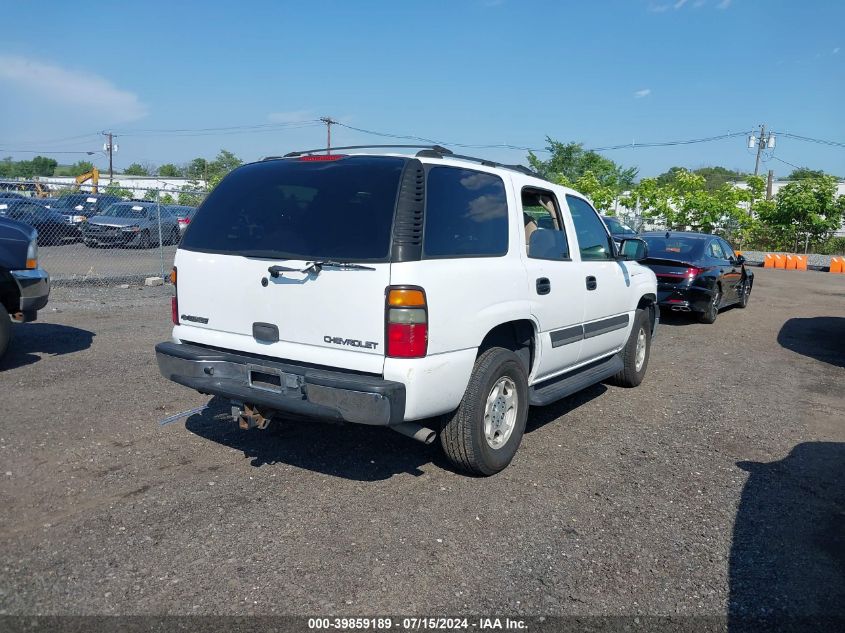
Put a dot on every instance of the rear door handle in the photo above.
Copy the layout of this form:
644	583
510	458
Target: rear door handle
544	286
592	284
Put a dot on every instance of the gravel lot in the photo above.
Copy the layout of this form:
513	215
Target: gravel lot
75	261
714	488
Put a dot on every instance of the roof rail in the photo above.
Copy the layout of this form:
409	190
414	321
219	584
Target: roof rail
437	148
433	153
428	151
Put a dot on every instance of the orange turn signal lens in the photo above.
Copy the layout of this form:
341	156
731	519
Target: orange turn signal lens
31	264
173	276
404	297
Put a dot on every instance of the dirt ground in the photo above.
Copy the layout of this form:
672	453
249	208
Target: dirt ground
716	488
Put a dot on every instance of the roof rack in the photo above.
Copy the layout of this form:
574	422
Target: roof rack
434	153
437	148
427	151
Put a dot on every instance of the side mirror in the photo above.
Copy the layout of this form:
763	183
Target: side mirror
739	260
633	249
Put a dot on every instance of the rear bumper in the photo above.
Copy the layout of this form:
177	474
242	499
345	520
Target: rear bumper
300	390
34	287
690	299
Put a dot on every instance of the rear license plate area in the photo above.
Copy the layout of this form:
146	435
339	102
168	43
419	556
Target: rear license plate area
269	379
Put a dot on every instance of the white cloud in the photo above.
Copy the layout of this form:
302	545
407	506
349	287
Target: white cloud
724	4
294	116
679	4
836	50
639	94
67	87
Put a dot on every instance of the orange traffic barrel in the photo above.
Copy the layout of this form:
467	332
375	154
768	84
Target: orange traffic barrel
800	262
837	264
780	261
769	261
790	262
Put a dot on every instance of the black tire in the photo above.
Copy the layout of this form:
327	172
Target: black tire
144	240
5	331
631	376
712	311
745	294
463	438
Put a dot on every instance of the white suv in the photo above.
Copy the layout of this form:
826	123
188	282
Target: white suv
430	294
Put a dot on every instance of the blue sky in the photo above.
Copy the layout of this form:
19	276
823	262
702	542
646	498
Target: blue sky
472	71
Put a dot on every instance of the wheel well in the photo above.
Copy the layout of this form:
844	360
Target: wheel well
9	293
517	336
649	302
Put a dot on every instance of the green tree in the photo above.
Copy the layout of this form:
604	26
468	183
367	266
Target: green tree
80	167
169	170
714	177
136	169
114	189
197	168
225	162
42	166
805	209
802	173
589	172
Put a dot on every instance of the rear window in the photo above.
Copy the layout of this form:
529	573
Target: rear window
466	214
308	210
674	247
124	210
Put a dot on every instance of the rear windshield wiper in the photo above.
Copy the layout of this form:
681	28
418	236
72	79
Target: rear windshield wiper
317	267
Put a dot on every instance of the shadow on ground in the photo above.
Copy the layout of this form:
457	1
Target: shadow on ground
351	451
31	339
787	558
822	338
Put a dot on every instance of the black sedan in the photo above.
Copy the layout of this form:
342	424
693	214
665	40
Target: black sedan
697	272
52	227
618	229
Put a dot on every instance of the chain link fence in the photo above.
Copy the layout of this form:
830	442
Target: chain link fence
113	235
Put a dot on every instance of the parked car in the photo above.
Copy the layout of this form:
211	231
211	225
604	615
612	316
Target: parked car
399	291
78	207
131	224
47	202
51	226
24	286
617	229
184	214
697	272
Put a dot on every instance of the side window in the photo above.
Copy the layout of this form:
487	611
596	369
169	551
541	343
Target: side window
729	252
466	214
545	237
714	249
593	239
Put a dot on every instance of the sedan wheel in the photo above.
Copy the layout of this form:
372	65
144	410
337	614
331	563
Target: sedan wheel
712	311
745	294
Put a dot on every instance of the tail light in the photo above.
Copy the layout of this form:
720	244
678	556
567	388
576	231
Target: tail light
316	158
406	322
174	300
184	221
693	272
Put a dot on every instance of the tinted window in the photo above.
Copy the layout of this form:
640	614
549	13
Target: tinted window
341	209
617	228
729	252
593	240
688	249
125	210
714	249
466	214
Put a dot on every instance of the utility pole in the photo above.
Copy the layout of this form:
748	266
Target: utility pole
110	147
769	184
329	122
762	142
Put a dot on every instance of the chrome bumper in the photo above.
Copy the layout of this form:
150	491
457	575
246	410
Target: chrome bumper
284	387
34	287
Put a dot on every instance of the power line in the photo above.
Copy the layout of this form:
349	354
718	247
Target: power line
231	129
32	151
812	140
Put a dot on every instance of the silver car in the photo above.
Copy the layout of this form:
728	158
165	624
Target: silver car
134	224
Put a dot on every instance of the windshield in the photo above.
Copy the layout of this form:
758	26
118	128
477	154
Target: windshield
307	210
675	247
124	210
617	228
68	202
